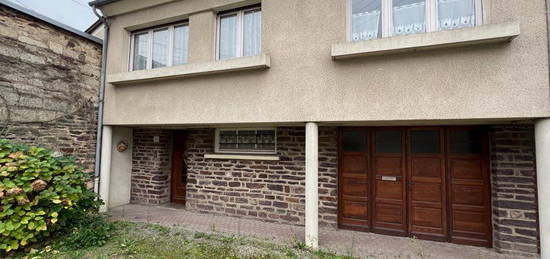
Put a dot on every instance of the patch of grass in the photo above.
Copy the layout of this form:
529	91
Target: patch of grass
139	240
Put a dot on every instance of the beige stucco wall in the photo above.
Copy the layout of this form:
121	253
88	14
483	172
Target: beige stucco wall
121	168
99	32
504	81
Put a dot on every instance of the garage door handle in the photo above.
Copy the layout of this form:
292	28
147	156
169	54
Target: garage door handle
389	178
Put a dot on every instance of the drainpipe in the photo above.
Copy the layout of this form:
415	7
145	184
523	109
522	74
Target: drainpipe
99	139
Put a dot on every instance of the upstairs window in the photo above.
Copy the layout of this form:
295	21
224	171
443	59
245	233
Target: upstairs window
239	33
372	19
159	47
251	141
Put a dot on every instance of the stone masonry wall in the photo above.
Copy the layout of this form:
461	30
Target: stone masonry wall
274	190
49	84
150	180
267	190
514	189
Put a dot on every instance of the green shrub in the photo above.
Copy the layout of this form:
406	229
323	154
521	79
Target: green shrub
40	194
88	231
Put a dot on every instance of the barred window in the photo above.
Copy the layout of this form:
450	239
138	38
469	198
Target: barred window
261	141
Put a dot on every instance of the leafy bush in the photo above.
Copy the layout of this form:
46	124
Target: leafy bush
88	231
40	193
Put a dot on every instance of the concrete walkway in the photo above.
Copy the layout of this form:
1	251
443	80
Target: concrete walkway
359	244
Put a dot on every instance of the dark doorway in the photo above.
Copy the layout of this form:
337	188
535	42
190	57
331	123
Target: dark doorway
179	168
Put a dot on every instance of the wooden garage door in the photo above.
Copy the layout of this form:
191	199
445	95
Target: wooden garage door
388	167
426	178
354	180
427	182
470	197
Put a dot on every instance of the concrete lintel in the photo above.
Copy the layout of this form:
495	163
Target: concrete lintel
242	157
190	70
490	33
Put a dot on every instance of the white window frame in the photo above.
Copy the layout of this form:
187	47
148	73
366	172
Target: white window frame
149	32
431	16
244	151
239	45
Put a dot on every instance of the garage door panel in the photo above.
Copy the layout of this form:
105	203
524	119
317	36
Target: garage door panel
466	169
469	221
354	187
427	217
386	213
353	179
355	209
389	190
426	192
354	164
426	167
467	195
389	166
470	187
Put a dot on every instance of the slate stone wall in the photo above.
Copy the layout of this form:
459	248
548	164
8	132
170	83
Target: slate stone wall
151	169
514	189
267	190
49	84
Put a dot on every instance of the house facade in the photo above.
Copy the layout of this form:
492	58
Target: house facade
422	118
49	83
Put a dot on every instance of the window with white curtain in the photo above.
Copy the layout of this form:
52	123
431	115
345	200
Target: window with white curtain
239	33
366	20
161	46
408	17
456	14
372	19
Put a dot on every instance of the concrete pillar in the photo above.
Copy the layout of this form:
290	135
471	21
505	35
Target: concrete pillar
312	193
542	140
105	170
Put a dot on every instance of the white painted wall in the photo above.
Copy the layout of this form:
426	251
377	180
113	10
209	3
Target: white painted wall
542	140
105	168
121	168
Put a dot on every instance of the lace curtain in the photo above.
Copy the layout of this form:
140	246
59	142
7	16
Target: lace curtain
409	18
141	49
160	48
181	40
228	37
365	25
456	14
252	33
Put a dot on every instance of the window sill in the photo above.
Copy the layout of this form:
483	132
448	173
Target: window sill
190	70
242	157
483	34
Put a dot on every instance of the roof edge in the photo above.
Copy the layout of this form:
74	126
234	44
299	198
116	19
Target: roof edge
99	3
94	26
50	21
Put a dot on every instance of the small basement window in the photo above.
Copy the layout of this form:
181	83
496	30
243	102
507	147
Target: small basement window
247	141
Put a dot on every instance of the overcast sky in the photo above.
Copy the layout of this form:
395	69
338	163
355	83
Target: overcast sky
75	13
